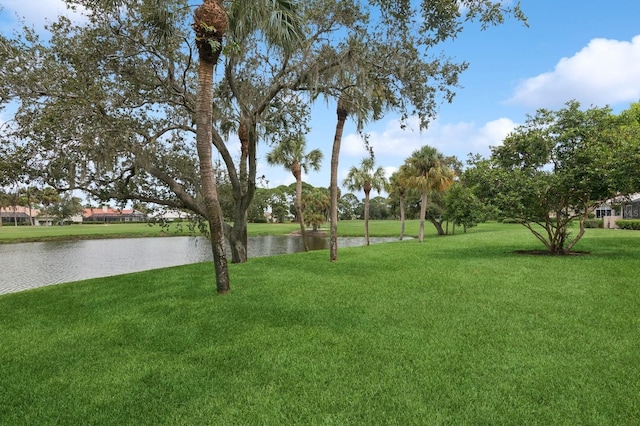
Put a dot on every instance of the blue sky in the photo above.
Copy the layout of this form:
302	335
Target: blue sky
588	50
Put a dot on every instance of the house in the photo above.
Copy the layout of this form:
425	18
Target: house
631	210
24	216
20	215
107	214
171	216
617	209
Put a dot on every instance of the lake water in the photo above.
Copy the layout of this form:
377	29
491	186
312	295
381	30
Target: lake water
29	265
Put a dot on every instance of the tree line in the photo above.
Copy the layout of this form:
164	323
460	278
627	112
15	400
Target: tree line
549	174
48	201
131	103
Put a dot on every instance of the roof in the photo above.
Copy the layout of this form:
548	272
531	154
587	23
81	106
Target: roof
19	211
109	211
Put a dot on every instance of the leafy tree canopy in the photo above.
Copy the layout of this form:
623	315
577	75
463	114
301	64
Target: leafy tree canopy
108	105
558	167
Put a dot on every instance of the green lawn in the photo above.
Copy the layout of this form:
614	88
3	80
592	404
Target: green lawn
456	330
346	228
13	234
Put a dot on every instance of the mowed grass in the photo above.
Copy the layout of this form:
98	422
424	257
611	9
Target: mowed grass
16	234
346	228
350	228
455	330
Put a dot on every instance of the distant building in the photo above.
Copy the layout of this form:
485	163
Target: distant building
171	215
110	215
617	209
17	214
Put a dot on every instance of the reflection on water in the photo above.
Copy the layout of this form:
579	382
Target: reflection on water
30	265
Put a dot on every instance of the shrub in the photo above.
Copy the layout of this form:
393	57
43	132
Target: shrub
510	220
628	224
594	223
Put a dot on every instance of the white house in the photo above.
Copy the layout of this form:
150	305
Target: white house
619	208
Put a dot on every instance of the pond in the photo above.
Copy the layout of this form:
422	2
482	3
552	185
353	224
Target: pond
30	265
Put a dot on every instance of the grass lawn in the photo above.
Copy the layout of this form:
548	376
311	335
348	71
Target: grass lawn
456	330
351	228
16	234
346	228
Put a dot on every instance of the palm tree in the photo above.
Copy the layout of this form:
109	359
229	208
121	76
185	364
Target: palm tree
317	204
342	112
48	196
426	172
362	103
398	185
28	196
290	153
365	179
211	21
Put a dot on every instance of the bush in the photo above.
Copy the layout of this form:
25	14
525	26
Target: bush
510	220
594	223
628	224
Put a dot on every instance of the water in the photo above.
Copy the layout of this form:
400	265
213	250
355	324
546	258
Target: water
29	265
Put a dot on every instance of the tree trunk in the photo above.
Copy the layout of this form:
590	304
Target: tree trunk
438	226
243	187
366	217
342	113
402	218
423	213
580	233
210	24
237	235
31	221
297	173
204	112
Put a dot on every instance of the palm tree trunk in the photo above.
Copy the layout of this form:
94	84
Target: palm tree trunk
423	213
31	221
298	203
210	24
366	217
342	113
402	218
204	112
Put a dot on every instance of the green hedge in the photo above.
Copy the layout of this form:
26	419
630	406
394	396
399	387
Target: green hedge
594	223
509	220
628	224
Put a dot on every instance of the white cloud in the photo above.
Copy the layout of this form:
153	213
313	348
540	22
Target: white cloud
37	13
392	140
605	72
388	171
394	144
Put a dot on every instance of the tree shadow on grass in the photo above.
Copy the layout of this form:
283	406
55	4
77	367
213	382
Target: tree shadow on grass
548	253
